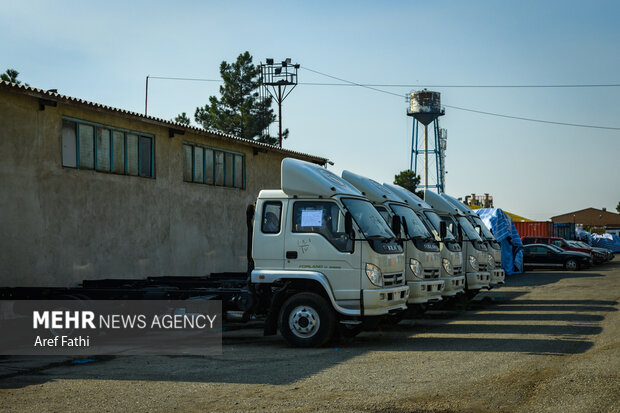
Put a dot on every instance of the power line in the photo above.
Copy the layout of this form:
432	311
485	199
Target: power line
185	78
471	110
460	86
533	120
374	87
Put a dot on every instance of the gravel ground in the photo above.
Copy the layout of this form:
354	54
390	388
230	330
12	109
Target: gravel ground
547	341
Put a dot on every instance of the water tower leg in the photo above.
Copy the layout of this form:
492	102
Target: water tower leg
425	156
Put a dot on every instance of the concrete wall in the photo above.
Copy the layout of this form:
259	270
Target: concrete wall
61	225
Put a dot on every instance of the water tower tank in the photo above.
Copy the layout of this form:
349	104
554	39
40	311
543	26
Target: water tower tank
425	106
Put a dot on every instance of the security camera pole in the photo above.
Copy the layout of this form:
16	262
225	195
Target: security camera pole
275	77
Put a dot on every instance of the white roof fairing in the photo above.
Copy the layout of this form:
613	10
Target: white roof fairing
372	190
305	178
410	198
464	208
440	204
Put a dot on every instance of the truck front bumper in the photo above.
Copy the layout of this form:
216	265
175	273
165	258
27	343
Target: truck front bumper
453	285
426	291
478	280
385	300
497	277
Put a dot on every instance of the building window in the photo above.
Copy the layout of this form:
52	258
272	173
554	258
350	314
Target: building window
87	145
213	166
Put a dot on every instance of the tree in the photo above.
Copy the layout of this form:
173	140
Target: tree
11	76
408	180
240	111
182	119
618	207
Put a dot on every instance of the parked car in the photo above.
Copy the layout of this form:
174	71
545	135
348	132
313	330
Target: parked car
558	242
600	255
551	256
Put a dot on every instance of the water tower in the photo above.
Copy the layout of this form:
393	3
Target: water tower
425	108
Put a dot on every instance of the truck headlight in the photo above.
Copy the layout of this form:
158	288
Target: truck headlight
491	263
473	262
447	265
374	275
416	267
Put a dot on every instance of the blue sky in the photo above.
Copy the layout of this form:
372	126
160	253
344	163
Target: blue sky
102	51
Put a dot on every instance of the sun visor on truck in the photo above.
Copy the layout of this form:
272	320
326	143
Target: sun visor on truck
372	190
305	178
409	197
439	204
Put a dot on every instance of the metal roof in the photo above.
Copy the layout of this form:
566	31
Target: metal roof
55	96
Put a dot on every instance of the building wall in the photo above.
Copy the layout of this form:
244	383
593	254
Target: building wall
590	217
62	225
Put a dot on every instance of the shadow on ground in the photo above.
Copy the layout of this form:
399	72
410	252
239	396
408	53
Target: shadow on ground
547	327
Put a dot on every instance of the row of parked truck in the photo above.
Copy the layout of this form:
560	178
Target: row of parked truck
327	255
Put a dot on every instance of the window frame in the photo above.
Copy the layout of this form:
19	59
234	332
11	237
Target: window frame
111	130
344	249
262	225
214	175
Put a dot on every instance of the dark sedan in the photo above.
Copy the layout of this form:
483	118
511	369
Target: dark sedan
550	256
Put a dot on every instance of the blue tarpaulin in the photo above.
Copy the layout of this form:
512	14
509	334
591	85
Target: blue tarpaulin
506	234
609	241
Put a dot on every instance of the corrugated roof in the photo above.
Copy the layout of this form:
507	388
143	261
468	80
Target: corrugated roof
48	94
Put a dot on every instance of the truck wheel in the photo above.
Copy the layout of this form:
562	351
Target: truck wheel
307	320
571	265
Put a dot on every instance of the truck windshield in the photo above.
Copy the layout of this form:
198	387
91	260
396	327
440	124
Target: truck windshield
368	219
435	220
414	225
485	230
468	229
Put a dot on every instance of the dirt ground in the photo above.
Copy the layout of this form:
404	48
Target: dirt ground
547	341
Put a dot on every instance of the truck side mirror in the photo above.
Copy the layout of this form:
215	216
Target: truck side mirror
405	227
443	230
348	225
396	225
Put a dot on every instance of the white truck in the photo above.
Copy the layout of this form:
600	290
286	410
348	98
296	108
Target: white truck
422	253
475	251
321	261
498	275
451	253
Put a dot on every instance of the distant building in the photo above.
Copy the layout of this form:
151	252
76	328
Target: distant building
591	217
483	201
90	191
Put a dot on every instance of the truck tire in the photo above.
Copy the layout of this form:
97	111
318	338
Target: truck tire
571	265
307	320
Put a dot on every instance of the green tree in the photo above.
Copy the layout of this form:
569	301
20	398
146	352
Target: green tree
408	180
11	76
618	207
182	119
239	111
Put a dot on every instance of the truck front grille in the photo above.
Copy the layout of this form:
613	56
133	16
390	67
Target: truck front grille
457	270
431	274
482	267
393	279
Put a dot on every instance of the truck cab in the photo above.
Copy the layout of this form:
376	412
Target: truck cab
475	251
323	256
498	275
422	254
451	253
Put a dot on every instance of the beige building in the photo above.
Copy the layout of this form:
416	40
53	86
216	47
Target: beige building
88	191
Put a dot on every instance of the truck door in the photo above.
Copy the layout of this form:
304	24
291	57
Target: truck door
316	240
268	242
